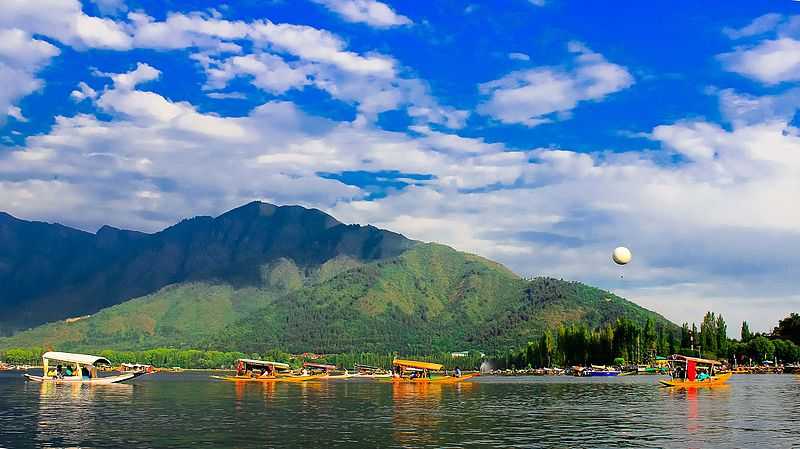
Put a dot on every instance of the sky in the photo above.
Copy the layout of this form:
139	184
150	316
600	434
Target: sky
538	133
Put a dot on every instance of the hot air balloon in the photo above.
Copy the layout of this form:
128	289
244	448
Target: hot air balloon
621	255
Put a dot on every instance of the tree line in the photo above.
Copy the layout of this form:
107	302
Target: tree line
627	342
623	342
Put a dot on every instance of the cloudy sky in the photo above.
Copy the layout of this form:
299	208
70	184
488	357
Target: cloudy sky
539	133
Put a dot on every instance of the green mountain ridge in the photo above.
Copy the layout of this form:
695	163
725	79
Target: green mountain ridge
428	298
50	272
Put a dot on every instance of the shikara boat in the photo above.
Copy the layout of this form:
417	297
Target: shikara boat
422	372
249	370
369	372
685	373
324	371
68	368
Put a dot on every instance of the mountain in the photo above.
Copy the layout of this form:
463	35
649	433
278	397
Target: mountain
429	297
50	272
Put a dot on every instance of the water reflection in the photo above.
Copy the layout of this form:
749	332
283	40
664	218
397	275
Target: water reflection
67	412
191	411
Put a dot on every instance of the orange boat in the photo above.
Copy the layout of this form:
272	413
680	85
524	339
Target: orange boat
685	373
413	371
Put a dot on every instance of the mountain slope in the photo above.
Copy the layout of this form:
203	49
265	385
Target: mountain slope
50	272
430	297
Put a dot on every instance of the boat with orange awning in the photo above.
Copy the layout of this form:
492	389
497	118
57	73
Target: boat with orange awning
422	372
693	372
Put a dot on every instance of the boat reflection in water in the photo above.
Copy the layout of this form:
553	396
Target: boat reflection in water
697	417
418	415
70	412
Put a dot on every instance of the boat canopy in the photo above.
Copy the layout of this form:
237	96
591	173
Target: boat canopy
683	358
418	365
319	366
263	363
81	359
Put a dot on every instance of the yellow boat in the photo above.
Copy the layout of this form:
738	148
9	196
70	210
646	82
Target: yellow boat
412	371
684	373
710	382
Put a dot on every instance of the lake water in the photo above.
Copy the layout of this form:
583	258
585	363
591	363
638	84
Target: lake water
191	410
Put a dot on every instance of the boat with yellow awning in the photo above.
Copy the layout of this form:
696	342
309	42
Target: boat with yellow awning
693	372
422	372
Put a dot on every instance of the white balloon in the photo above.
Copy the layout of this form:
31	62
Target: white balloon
621	255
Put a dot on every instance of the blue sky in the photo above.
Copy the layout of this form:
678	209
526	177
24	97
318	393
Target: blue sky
538	133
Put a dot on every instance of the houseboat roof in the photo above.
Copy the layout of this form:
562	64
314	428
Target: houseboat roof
82	359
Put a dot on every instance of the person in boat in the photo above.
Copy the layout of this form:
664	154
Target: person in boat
87	373
703	376
457	372
59	371
240	371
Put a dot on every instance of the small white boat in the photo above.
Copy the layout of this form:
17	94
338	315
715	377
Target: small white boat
76	369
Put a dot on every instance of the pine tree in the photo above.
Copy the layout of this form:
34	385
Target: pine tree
746	335
722	337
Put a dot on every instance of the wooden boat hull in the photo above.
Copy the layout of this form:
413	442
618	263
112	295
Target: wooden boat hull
96	381
713	381
435	380
267	379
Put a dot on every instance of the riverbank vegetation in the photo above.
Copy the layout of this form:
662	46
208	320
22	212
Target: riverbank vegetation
626	342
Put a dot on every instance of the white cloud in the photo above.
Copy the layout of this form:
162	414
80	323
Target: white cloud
16	114
759	25
771	61
83	92
371	12
743	109
141	74
537	2
519	56
21	56
269	72
186	30
317	45
65	21
532	96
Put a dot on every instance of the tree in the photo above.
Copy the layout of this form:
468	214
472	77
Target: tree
708	333
746	335
760	348
685	336
650	336
789	328
722	337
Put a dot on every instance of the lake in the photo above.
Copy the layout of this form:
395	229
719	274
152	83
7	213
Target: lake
190	410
